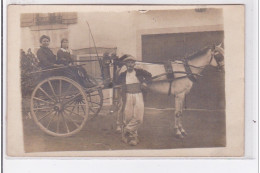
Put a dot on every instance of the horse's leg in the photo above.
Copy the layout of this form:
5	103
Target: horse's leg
119	113
117	109
119	116
179	99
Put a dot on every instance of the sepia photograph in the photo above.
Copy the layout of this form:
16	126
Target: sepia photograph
137	79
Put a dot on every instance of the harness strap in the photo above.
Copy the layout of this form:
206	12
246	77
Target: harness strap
188	70
170	88
169	75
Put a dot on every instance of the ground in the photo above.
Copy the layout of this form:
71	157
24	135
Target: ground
204	128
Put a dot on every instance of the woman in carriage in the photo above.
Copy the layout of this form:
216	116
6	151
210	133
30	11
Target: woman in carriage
45	55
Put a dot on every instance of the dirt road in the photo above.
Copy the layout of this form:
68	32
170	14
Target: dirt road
204	128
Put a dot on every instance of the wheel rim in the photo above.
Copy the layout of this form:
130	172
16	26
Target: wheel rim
59	106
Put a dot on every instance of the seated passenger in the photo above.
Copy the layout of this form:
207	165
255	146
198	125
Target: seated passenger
76	73
45	55
64	53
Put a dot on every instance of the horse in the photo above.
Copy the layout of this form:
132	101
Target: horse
176	81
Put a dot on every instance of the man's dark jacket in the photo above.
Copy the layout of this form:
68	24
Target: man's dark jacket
142	75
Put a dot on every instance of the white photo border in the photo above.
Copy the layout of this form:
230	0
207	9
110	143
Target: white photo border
248	163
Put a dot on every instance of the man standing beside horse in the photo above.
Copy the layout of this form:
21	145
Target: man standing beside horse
133	82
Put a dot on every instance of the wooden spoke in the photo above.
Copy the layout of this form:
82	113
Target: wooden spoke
60	87
65	122
89	99
51	120
74	113
72	109
49	113
36	111
58	123
95	103
92	110
36	98
46	94
71	99
49	82
71	119
83	109
43	108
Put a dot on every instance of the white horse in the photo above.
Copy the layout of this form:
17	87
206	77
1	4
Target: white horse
181	80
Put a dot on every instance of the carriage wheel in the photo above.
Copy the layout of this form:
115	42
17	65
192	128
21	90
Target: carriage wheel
59	106
95	102
95	98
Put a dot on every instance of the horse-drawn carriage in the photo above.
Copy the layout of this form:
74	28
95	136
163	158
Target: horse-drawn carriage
61	103
61	106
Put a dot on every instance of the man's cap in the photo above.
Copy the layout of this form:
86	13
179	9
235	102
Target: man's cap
126	58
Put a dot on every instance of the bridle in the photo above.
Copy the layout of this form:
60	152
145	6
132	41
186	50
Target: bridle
218	59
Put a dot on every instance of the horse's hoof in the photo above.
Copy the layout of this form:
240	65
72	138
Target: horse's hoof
133	142
179	136
184	133
124	140
118	130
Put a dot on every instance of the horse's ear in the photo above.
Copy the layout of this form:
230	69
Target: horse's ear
220	45
220	49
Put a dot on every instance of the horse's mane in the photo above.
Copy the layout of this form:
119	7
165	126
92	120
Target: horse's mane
199	53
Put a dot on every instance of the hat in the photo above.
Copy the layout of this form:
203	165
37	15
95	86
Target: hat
44	36
126	58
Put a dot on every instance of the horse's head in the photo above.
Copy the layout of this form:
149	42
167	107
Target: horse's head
107	59
217	57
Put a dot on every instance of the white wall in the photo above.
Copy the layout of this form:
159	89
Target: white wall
121	29
108	29
179	18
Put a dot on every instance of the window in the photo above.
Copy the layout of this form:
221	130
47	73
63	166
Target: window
40	19
50	18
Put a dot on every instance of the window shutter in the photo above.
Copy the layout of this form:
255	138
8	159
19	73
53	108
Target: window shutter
27	19
69	18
